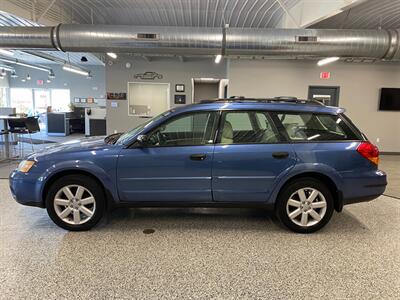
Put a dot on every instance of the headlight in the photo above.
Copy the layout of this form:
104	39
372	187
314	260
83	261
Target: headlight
25	165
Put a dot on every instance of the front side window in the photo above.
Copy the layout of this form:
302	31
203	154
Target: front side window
248	127
187	130
315	127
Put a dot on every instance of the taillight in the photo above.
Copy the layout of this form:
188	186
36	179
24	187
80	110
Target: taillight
369	151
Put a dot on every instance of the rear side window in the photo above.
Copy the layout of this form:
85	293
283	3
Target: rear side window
315	127
248	127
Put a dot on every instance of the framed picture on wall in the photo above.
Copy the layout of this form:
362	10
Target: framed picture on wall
116	96
180	99
179	88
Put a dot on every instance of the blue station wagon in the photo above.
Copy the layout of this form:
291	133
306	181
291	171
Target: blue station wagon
298	157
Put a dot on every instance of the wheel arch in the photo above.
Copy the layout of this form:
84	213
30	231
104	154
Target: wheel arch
55	176
327	180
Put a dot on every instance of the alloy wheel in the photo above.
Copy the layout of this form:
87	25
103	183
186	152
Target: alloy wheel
74	204
306	207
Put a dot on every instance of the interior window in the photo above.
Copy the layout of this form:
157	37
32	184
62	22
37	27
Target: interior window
189	129
317	127
249	127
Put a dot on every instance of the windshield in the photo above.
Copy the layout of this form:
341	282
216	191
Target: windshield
129	134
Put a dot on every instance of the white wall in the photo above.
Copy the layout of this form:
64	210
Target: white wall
173	71
359	90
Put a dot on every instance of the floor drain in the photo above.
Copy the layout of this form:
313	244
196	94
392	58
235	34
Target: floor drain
148	231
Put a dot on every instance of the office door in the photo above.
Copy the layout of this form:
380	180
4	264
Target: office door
328	95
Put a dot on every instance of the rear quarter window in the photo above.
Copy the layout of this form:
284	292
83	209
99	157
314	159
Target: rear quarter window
315	127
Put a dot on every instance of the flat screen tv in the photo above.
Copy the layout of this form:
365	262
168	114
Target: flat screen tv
390	99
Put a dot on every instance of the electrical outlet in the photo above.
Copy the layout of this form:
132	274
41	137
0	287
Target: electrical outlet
377	140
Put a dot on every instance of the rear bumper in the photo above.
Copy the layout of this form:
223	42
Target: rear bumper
364	187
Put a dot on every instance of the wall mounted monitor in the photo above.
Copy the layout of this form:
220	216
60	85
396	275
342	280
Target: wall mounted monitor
390	99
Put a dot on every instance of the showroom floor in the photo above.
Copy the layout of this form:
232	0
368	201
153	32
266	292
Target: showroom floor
200	253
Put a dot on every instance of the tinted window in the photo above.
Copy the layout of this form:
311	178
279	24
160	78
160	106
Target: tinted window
185	130
249	127
315	127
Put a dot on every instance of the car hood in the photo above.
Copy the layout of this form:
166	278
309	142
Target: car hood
76	145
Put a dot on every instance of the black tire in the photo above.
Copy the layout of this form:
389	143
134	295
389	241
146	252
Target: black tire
88	183
290	189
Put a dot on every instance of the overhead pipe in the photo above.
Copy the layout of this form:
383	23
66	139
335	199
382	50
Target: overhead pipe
377	44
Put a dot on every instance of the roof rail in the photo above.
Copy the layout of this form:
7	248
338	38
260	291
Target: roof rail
280	99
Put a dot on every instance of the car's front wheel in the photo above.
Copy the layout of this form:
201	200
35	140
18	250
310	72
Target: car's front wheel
305	205
75	202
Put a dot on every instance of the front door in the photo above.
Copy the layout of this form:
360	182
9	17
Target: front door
249	158
328	95
174	164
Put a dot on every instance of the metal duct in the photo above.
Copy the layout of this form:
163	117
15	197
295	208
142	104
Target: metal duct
380	44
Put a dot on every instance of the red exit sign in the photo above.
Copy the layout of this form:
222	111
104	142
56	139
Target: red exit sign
39	82
325	75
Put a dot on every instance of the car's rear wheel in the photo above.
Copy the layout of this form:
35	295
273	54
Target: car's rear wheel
75	202
305	205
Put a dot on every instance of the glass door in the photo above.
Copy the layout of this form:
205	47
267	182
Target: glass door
22	100
42	100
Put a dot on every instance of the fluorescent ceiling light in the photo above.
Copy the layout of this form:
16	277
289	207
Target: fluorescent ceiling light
73	69
218	58
327	60
6	52
112	55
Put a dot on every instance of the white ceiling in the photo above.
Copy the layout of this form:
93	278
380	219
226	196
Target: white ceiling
371	14
212	13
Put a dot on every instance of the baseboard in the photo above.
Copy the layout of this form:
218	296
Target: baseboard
389	153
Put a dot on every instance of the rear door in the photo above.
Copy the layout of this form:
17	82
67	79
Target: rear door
249	158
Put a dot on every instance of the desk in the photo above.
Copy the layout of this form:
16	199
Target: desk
6	140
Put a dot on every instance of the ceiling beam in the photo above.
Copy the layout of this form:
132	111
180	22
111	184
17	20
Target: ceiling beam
46	10
309	12
288	13
147	58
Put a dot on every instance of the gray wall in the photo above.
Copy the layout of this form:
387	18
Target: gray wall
78	84
359	90
173	71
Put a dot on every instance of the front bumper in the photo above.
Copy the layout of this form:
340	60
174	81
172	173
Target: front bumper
24	189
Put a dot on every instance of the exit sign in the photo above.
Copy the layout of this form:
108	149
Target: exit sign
39	82
325	75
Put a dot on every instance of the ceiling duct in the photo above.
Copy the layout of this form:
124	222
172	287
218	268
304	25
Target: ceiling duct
378	44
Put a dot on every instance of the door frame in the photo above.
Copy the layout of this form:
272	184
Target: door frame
141	82
325	86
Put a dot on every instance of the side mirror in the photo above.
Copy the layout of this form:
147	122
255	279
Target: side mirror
142	139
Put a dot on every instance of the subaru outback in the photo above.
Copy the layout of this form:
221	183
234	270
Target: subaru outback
297	157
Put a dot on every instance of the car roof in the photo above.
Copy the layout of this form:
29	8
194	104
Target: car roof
271	104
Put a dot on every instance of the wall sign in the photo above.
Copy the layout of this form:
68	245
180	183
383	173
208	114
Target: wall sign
325	75
180	99
179	88
148	76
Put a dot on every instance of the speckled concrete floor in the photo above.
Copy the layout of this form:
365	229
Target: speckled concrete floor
200	254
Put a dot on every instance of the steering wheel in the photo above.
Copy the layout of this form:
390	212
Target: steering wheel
157	138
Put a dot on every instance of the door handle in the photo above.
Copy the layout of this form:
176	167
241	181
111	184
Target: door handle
280	155
198	157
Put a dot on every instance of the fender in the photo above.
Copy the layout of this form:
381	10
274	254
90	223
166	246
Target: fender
80	165
300	168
